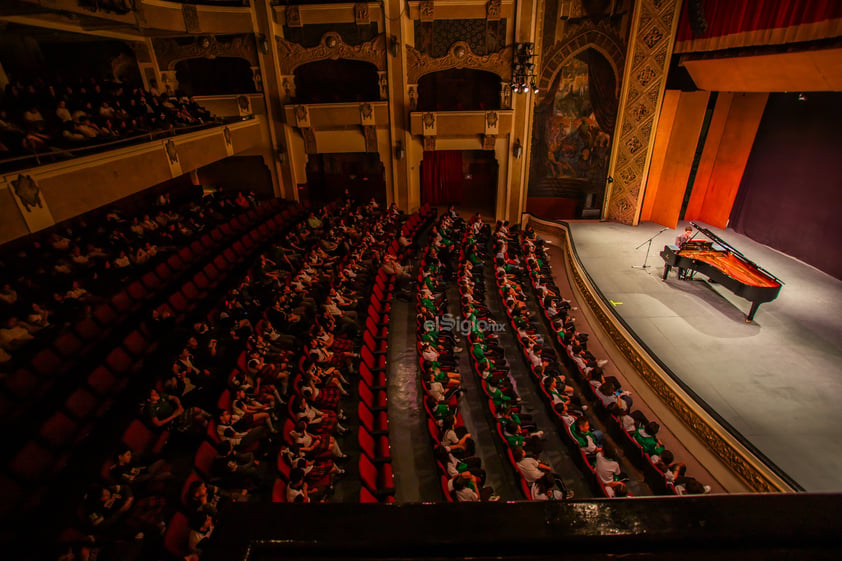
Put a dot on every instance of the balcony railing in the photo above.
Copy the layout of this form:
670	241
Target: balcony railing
54	155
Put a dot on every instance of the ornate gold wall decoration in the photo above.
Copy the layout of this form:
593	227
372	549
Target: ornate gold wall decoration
366	114
492	10
642	87
292	55
288	85
383	83
370	134
361	16
412	93
489	141
27	191
169	52
292	16
302	116
428	120
505	95
459	56
427	11
172	152
429	143
492	120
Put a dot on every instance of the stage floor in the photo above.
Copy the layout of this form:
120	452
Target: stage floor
777	381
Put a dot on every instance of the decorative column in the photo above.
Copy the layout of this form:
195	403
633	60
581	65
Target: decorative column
257	78
412	96
383	82
644	81
287	88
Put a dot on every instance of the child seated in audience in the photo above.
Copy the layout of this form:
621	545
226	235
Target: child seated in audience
646	436
590	441
466	489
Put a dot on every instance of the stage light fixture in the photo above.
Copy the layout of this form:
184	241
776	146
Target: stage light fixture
523	69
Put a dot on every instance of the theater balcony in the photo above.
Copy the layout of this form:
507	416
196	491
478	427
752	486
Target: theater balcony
125	16
460	123
196	16
337	116
36	198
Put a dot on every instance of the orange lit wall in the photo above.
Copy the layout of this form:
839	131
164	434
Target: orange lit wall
727	147
678	132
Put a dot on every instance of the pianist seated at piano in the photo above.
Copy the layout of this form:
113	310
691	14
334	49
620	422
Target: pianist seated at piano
722	264
680	241
685	237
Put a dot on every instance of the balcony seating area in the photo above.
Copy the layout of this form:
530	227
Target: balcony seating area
47	121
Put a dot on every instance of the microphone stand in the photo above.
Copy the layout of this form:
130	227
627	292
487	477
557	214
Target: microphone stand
649	241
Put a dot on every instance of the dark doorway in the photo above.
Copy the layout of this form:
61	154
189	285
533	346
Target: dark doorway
201	76
335	81
328	175
459	90
466	178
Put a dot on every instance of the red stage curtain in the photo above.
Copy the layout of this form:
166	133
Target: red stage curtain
441	177
730	17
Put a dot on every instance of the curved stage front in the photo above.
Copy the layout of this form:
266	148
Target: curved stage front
761	397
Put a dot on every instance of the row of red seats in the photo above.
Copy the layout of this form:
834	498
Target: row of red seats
562	422
375	461
432	426
43	456
176	536
28	383
499	368
634	452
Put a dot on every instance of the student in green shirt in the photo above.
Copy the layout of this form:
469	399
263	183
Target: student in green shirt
645	436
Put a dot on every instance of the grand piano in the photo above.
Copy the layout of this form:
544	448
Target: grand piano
724	265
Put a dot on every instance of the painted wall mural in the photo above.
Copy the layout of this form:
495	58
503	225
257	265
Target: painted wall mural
582	59
577	148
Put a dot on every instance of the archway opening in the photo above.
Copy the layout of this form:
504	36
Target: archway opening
336	81
467	178
203	76
459	89
328	175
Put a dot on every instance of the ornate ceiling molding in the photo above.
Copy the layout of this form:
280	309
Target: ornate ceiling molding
169	52
292	55
459	56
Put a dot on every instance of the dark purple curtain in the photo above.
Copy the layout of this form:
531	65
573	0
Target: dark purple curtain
442	177
602	86
790	197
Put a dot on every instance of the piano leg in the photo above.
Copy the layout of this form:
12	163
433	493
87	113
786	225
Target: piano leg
752	311
667	268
